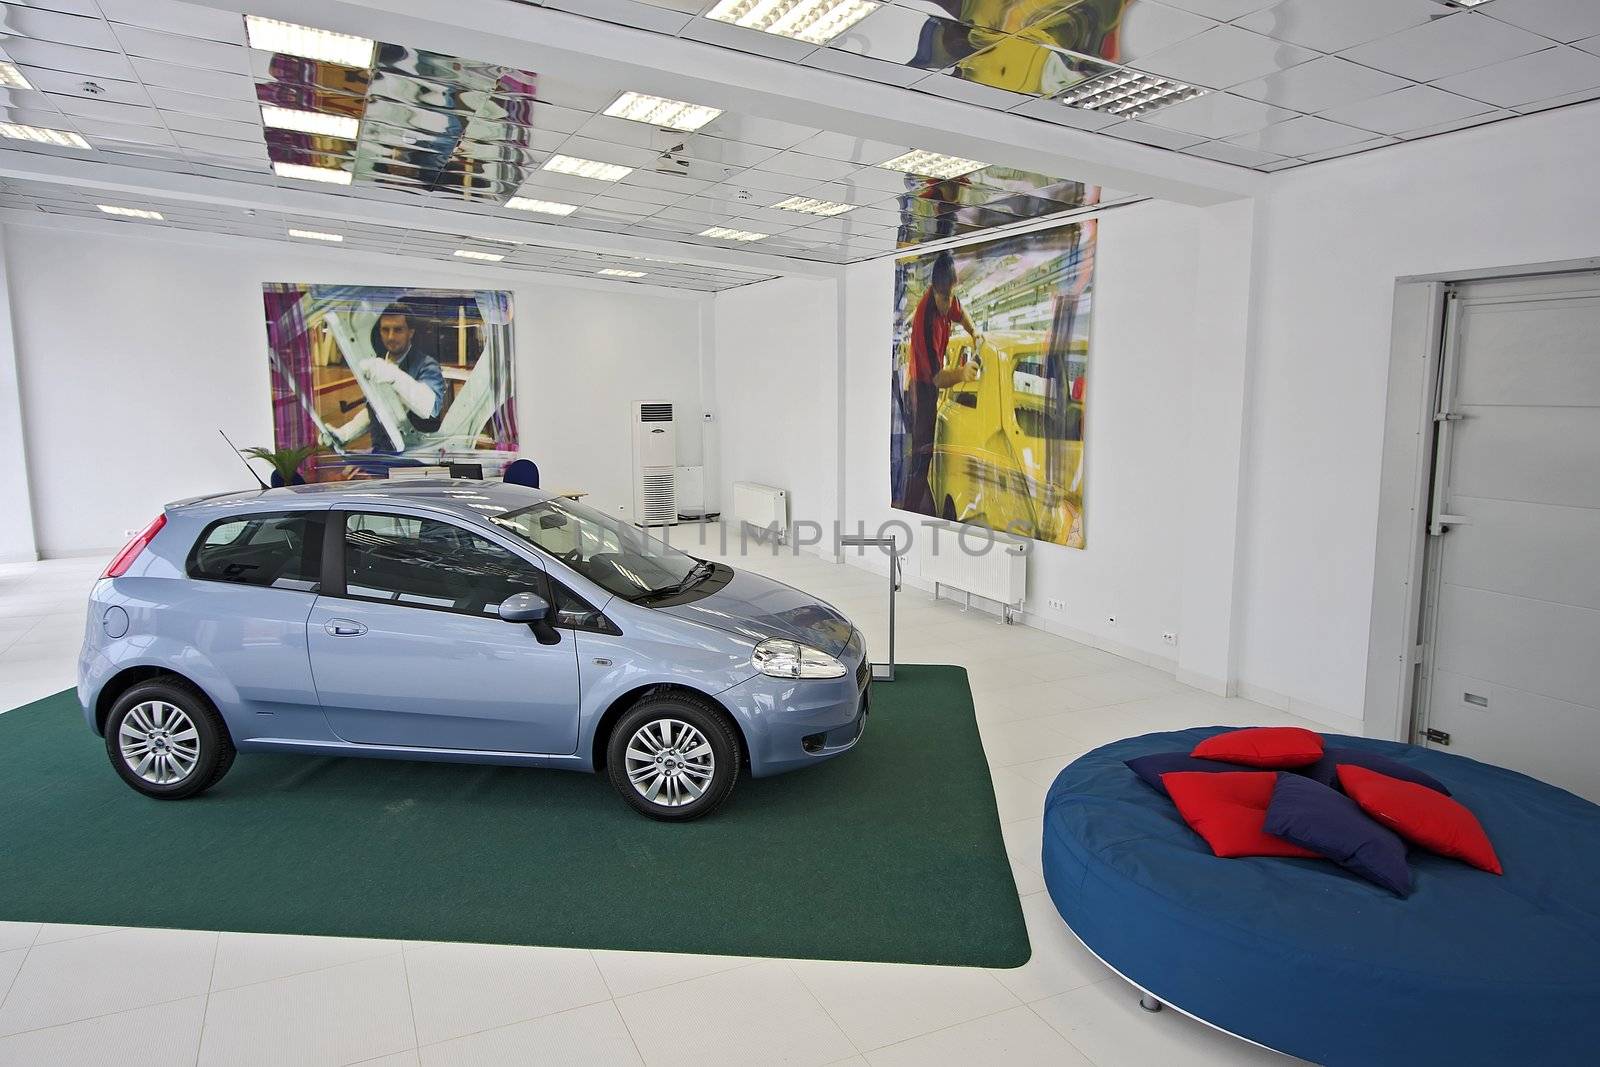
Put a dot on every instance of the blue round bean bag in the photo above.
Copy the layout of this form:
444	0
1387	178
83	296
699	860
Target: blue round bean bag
1306	958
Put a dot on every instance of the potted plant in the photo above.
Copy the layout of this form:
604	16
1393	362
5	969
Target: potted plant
285	462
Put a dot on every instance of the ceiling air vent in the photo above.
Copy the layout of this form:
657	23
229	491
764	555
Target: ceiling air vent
1128	93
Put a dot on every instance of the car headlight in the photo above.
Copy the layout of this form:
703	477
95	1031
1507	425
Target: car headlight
778	658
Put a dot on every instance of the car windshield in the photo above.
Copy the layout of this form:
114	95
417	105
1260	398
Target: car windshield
611	553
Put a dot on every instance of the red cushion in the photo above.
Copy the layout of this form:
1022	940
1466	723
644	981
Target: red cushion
1263	746
1420	815
1228	809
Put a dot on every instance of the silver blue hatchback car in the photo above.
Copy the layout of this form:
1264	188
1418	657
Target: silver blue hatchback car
459	621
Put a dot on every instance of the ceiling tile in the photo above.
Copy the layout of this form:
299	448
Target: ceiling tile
972	92
1239	156
1301	136
86	61
1554	101
861	67
801	165
1061	114
850	149
1322	83
1553	72
53	26
185	51
1458	42
170	16
1145	27
769	133
192	79
1217	115
1349	150
1560	20
1333	27
1134	130
730	36
1407	109
1459	124
1223	57
913	39
1225	10
644	16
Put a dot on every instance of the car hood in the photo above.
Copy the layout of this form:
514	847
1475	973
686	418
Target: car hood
758	608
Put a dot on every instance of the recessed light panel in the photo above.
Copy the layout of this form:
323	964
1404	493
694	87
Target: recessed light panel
613	272
1128	93
722	233
543	207
812	21
331	175
823	208
272	35
467	253
130	212
587	168
283	118
660	111
932	165
43	135
12	78
316	235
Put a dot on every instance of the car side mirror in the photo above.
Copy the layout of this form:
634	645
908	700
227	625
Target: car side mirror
525	607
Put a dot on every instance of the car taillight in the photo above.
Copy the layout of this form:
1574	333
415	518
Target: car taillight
131	550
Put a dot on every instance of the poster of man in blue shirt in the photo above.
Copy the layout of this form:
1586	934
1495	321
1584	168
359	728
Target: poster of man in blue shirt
379	377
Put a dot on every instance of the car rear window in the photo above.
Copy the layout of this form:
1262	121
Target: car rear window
281	550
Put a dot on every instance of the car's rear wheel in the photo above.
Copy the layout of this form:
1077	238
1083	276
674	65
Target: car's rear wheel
167	741
673	757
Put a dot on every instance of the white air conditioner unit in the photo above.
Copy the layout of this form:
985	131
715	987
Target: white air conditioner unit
655	457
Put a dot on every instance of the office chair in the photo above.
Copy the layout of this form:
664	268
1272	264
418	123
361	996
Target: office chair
522	472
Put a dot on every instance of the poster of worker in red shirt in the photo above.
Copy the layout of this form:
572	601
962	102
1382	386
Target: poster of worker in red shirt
991	353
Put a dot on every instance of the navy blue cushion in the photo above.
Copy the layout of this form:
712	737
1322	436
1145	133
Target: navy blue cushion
1152	767
1325	770
521	472
1309	814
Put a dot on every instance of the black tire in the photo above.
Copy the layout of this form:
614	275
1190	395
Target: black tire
215	753
712	724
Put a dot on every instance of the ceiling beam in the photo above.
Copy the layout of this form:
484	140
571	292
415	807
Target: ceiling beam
566	45
66	167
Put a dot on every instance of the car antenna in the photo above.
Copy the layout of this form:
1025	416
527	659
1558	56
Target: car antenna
246	462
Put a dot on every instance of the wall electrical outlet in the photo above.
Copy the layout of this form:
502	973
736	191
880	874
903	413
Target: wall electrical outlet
1056	603
1170	638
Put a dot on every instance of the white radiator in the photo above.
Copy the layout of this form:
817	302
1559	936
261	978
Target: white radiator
974	561
761	506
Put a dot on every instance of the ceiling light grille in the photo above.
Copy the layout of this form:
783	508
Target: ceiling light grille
723	233
660	111
822	208
587	168
932	165
542	207
812	21
1127	93
19	132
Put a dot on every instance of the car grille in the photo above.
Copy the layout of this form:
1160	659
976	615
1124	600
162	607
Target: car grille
863	673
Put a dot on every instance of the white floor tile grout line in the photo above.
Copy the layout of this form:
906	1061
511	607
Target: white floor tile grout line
798	977
411	1003
205	1010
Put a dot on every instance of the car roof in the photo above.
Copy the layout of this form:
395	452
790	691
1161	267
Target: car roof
463	497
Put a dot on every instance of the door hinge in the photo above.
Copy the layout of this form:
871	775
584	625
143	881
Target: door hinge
1437	737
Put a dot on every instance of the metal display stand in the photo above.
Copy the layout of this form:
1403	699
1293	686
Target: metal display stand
882	672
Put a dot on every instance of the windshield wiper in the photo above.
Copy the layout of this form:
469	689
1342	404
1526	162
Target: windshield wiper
697	574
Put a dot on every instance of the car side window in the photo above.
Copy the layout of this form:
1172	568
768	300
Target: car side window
282	550
404	559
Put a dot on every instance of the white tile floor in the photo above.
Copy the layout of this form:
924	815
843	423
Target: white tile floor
89	995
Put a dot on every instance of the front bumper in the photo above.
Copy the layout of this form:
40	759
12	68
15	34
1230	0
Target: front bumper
794	722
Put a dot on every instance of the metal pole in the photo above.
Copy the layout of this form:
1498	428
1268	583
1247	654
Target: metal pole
886	674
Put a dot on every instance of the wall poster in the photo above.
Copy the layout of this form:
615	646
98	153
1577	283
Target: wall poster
991	352
386	376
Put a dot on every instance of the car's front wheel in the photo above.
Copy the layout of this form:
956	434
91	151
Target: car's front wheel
673	757
167	741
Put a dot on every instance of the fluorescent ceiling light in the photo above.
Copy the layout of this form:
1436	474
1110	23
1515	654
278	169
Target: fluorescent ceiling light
65	138
283	118
1128	93
332	175
543	207
660	111
932	165
813	21
587	168
316	235
722	233
12	78
130	212
271	35
467	253
613	272
824	208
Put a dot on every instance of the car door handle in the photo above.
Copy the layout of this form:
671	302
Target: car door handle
344	628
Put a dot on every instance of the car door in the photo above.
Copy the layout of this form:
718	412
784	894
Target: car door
408	649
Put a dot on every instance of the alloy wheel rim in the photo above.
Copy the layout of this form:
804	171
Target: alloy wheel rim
159	742
670	763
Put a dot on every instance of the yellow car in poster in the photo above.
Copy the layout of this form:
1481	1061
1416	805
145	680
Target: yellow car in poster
997	459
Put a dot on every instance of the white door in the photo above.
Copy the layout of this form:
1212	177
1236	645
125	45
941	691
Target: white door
1511	620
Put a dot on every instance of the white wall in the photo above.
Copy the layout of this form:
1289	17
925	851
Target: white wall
777	387
1334	238
133	350
16	516
1145	352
